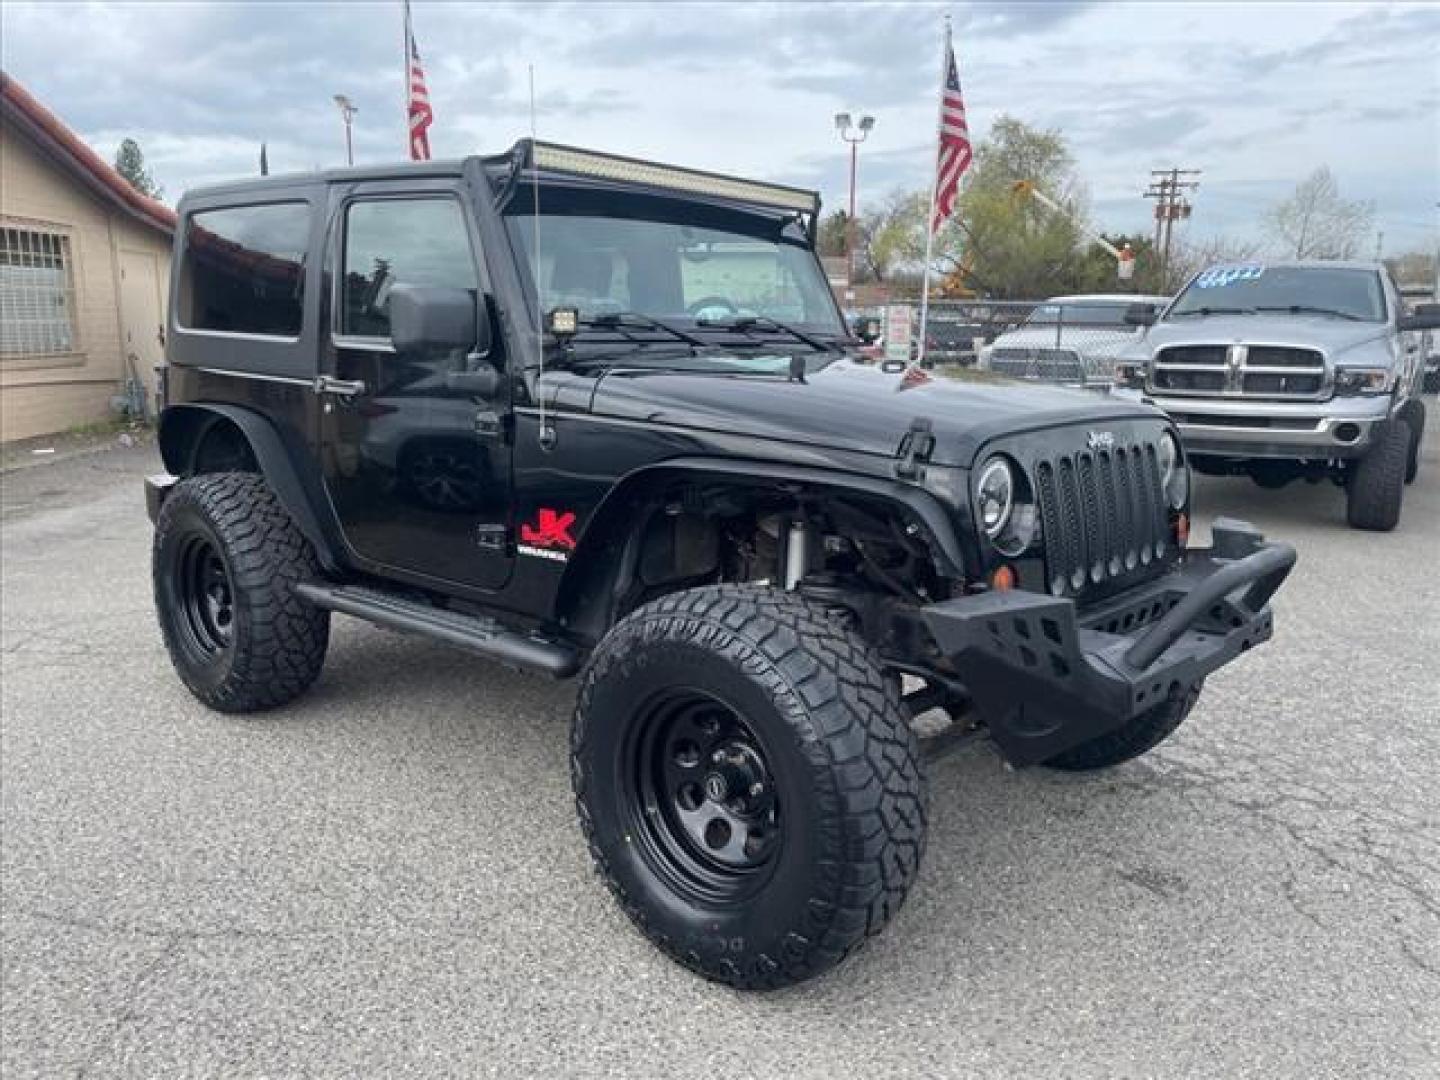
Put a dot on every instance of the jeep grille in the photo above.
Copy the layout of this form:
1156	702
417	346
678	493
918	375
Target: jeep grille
1240	371
1103	515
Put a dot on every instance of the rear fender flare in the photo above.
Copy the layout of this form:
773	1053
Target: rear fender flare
182	431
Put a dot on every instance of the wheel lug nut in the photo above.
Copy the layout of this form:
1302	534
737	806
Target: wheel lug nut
756	790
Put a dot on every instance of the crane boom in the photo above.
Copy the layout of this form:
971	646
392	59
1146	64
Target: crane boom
1029	188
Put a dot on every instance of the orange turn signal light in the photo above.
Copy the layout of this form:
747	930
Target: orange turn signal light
1003	580
1182	529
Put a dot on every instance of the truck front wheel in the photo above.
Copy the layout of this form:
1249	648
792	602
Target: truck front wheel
226	559
1375	487
748	783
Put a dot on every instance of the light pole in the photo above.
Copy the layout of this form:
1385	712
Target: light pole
347	114
854	136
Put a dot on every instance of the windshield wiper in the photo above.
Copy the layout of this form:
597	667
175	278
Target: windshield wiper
764	322
1306	309
1213	311
618	319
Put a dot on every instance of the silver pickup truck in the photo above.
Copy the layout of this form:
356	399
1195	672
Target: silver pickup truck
1291	370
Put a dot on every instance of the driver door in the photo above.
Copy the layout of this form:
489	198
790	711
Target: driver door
417	467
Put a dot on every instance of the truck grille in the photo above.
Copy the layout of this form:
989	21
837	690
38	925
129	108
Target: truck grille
1103	515
1243	371
1052	365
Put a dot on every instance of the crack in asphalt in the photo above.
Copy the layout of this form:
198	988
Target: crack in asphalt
1347	849
127	1012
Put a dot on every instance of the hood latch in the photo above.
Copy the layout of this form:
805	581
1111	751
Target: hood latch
915	449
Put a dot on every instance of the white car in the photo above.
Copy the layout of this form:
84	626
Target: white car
1073	340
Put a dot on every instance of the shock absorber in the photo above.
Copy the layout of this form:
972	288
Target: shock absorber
796	553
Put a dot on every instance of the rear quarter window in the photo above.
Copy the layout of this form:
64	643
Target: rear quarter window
243	270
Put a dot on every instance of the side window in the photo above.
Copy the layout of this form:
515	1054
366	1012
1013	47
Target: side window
392	242
244	269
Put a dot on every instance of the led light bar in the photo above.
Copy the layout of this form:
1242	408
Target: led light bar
566	159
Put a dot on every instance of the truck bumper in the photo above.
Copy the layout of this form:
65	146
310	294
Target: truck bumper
1046	676
156	488
1338	428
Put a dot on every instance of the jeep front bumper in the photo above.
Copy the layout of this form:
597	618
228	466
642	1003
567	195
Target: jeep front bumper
1046	676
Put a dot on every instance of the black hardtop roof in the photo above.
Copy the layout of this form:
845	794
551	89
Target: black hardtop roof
396	170
554	160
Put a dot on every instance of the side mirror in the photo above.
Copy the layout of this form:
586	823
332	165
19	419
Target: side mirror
868	330
1140	315
428	317
1425	317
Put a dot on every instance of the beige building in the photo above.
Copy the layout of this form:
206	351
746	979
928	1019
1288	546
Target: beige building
84	266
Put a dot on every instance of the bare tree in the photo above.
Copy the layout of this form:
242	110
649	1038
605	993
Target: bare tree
891	236
1190	257
1316	223
1413	268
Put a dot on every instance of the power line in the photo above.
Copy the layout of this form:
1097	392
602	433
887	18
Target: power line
1168	187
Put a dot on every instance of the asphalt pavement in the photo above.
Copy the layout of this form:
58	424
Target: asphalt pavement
385	878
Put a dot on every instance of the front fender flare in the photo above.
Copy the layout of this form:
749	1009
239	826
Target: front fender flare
614	517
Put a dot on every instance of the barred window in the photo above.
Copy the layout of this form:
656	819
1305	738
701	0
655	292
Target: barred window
37	293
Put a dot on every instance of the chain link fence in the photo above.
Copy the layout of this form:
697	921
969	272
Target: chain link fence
1072	342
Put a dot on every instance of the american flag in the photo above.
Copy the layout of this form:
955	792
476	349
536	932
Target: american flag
417	97
955	152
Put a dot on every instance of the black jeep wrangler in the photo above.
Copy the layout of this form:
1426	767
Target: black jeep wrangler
588	415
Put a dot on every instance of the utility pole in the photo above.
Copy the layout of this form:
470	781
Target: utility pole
1168	188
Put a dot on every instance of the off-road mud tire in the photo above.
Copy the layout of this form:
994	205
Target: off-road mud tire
276	642
842	758
1375	487
1139	736
1414	414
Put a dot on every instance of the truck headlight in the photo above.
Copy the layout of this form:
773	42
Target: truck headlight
995	496
1130	374
1174	473
1363	380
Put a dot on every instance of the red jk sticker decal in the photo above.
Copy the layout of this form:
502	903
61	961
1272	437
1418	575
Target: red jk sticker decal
552	530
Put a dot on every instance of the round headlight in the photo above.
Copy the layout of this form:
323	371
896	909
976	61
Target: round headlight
995	496
1174	476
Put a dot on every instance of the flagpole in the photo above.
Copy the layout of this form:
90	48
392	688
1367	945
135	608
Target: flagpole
405	87
934	190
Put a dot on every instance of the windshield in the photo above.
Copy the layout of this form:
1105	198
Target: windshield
687	266
1250	287
1080	313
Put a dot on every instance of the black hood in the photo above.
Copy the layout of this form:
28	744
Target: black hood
853	406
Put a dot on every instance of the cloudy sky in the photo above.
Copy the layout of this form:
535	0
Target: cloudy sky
1254	94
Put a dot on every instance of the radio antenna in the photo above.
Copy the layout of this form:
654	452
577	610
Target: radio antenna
546	434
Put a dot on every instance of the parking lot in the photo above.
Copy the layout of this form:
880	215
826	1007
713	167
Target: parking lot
386	879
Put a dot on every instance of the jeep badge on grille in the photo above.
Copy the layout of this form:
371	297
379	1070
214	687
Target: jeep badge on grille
1100	440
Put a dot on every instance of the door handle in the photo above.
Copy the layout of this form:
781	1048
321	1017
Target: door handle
324	384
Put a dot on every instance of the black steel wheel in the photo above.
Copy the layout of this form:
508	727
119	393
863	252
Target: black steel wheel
226	559
702	796
205	597
748	782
